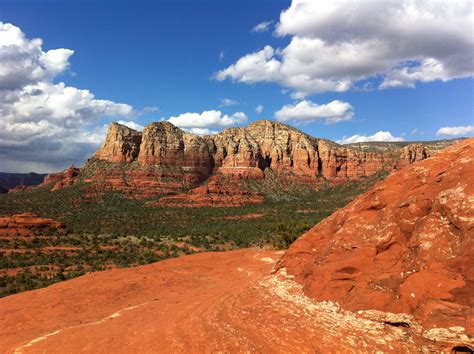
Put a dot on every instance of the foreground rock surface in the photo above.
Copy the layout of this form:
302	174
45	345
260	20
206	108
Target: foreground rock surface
406	246
227	302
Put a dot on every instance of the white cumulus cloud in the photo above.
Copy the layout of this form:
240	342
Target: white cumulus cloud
379	136
334	46
207	120
453	131
259	109
307	111
131	125
23	61
45	126
200	131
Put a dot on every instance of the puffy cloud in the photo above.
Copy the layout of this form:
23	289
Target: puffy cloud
200	131
45	125
259	109
333	46
262	26
307	111
23	62
379	136
453	131
226	102
207	119
254	67
131	125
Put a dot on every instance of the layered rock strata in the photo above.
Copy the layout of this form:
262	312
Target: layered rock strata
164	159
250	150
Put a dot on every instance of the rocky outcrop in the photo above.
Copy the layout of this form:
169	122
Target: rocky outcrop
163	159
249	151
403	247
203	303
22	225
166	145
62	179
122	144
218	192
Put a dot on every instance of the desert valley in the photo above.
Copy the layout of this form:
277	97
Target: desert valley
238	176
391	270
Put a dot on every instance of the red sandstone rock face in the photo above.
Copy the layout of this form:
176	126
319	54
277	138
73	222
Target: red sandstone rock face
263	144
122	144
139	183
164	159
62	179
164	144
406	246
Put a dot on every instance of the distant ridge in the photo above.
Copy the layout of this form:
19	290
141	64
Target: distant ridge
11	180
434	145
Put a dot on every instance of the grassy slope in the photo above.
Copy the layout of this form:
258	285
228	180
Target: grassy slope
111	230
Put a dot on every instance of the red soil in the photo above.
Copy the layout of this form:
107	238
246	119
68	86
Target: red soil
207	302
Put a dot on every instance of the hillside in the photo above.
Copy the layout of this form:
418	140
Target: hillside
434	145
165	160
388	248
405	246
260	185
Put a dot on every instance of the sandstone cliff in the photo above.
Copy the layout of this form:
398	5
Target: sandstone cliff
122	144
250	150
404	247
163	159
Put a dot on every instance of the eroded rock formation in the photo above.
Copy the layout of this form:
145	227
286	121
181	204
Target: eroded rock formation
24	224
218	192
250	150
122	144
62	179
163	159
404	247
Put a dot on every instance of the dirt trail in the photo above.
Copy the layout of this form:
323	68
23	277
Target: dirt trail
206	302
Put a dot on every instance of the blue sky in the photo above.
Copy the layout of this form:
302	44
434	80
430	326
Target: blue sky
165	55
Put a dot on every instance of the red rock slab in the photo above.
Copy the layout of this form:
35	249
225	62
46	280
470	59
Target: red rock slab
208	302
28	220
406	246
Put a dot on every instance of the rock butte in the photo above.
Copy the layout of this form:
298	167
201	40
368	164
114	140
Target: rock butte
391	271
405	246
164	159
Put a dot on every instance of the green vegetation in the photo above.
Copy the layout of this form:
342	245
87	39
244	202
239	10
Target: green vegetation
111	230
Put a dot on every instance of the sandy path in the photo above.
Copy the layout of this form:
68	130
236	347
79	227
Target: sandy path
207	302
